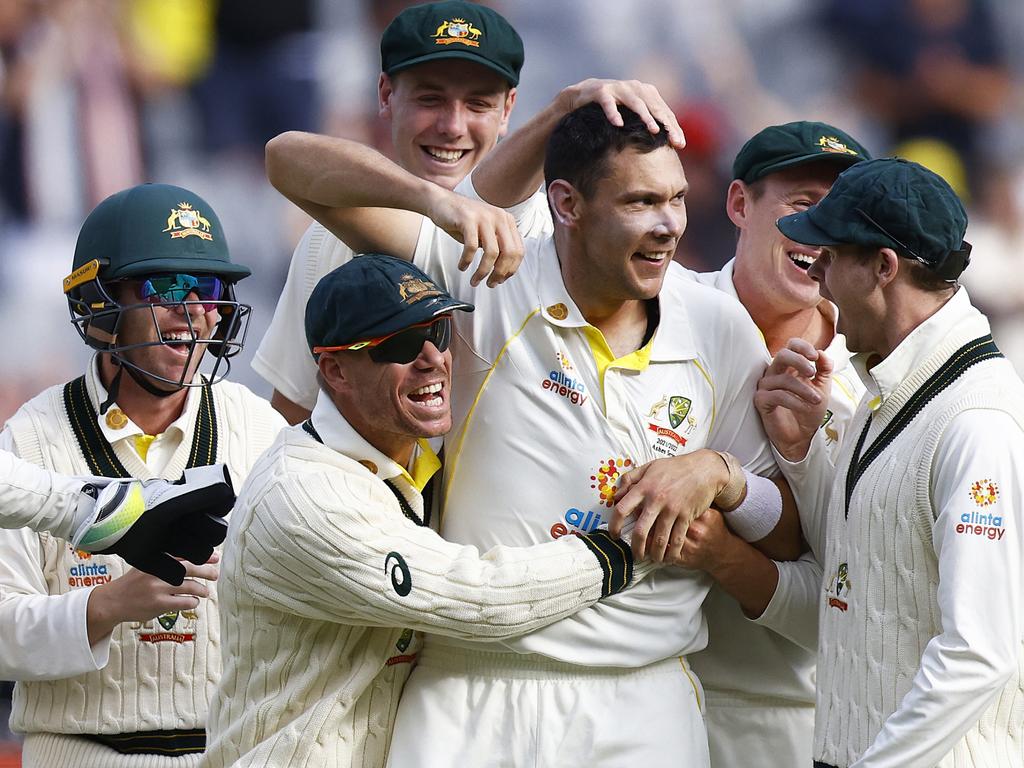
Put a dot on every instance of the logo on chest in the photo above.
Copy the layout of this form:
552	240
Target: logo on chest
603	481
670	438
171	627
85	572
839	588
563	381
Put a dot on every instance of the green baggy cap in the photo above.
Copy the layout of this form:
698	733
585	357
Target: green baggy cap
452	30
792	144
889	203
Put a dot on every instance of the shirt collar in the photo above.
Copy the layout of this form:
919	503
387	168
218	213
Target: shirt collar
558	308
116	425
338	435
956	314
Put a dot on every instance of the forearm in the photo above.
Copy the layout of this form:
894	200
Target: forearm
339	173
34	498
515	168
45	637
747	575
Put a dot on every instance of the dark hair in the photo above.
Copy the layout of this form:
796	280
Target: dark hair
578	148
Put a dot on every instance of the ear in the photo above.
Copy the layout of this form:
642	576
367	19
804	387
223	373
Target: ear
566	202
385	89
887	267
736	200
506	111
332	372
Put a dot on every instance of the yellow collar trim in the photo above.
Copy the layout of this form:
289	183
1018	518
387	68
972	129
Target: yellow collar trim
142	443
424	466
637	360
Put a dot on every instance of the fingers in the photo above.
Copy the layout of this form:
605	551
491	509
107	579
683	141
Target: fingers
164	567
629	479
469	249
624	508
793	361
785	383
510	253
207	571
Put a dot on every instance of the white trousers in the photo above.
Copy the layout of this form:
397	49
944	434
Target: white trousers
759	733
495	710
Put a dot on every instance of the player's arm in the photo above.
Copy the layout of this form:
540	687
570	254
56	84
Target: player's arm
515	168
373	205
143	522
327	546
980	592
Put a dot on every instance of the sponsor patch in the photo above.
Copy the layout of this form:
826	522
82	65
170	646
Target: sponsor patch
604	481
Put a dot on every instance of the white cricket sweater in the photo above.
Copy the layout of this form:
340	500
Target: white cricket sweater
152	676
920	658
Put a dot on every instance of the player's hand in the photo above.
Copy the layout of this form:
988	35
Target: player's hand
151	522
792	397
479	226
665	496
642	98
138	596
707	544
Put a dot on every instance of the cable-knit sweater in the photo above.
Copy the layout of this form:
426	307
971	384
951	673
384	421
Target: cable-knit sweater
157	675
920	658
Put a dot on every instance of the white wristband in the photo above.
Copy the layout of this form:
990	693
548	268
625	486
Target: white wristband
759	512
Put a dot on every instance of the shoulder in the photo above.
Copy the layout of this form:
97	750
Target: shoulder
247	416
320	251
48	404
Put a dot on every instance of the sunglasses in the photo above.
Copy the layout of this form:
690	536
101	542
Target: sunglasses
172	288
405	345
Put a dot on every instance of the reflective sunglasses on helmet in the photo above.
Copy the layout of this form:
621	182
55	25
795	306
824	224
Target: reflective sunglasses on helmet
402	346
175	287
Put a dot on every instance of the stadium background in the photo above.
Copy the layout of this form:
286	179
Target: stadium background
97	95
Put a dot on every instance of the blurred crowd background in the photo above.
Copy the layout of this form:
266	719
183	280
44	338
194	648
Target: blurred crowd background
98	95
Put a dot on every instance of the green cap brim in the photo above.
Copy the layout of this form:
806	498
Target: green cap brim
844	161
799	228
223	269
507	74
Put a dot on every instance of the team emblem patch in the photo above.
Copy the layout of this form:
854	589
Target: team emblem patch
457	31
831	434
985	492
184	221
832	144
172	627
839	588
413	289
678	408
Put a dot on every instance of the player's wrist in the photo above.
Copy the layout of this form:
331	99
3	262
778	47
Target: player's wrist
731	485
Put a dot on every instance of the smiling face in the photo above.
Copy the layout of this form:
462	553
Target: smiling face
161	335
445	116
846	275
392	404
764	256
625	232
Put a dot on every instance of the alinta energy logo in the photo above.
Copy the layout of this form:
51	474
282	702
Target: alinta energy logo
604	480
562	384
87	574
984	493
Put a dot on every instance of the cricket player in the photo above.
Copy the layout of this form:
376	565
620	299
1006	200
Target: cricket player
113	666
758	681
447	95
920	655
332	560
583	364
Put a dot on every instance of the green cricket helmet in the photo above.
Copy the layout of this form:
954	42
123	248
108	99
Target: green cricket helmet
170	244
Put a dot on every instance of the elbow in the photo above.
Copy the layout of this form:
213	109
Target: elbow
276	153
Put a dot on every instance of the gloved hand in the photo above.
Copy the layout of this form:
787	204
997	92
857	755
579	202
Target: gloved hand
150	522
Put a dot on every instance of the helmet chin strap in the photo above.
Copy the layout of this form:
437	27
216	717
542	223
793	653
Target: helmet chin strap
138	378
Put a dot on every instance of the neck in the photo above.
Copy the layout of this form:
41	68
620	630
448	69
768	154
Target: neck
780	324
622	322
150	413
906	308
396	447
